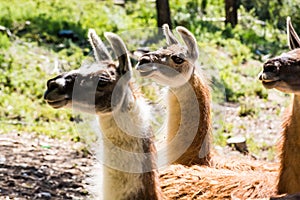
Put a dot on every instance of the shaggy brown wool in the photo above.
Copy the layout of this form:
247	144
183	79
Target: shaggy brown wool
246	179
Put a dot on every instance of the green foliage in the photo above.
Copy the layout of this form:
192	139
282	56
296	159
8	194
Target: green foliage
50	17
22	83
4	41
274	12
221	135
248	108
232	70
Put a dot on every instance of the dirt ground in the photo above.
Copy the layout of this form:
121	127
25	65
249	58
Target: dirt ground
37	167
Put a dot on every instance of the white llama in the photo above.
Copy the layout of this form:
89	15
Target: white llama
104	87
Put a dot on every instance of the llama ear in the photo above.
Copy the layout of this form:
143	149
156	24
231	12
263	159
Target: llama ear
190	42
293	38
169	35
100	51
120	50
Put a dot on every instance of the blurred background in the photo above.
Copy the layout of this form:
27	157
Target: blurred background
39	39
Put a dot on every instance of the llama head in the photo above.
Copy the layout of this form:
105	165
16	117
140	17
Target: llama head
173	65
91	87
283	72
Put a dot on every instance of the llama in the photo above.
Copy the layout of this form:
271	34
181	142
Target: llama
281	73
104	88
229	178
189	119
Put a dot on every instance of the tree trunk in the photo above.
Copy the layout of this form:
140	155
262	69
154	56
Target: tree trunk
203	6
163	13
231	12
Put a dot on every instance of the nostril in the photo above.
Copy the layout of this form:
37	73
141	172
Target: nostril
144	60
260	76
52	85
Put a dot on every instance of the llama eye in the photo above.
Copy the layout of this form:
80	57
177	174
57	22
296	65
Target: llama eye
112	73
177	59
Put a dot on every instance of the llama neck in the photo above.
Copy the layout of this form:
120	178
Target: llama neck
289	176
190	122
129	159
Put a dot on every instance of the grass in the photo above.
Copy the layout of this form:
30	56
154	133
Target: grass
22	87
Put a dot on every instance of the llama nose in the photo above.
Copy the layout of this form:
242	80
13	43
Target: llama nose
263	76
57	83
52	84
142	61
260	76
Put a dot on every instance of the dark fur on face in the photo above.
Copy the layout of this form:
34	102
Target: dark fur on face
281	72
88	89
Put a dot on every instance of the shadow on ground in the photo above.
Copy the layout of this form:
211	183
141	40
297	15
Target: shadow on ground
41	168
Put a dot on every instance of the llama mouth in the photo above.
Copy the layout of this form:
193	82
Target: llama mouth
55	100
270	84
58	104
145	74
146	69
269	79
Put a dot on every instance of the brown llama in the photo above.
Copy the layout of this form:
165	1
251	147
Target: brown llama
175	66
281	73
105	88
189	115
226	178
